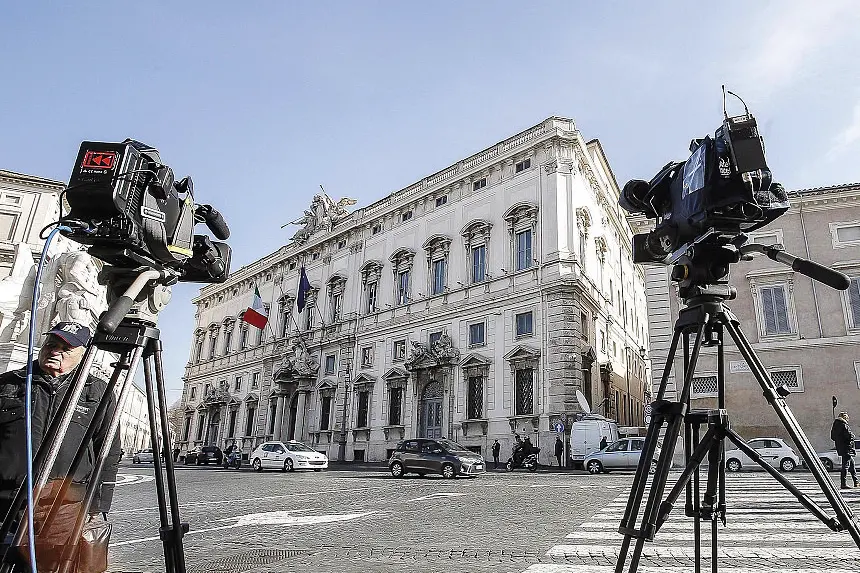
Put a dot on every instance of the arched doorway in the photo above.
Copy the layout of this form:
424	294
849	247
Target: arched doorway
214	426
294	410
431	410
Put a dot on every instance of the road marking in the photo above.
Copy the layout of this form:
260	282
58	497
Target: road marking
266	518
557	568
130	479
686	523
615	537
432	495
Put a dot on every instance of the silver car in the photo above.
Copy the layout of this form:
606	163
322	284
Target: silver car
774	451
622	454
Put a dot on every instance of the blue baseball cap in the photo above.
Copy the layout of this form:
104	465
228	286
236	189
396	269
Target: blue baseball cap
73	333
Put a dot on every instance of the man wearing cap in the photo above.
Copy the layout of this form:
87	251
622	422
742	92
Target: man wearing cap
52	376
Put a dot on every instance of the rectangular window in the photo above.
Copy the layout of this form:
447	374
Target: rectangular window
399	350
315	256
434	338
363	407
775	310
249	421
198	350
293	265
7	225
261	332
193	395
325	412
187	430
309	316
336	306
376	229
476	334
212	347
602	341
285	319
201	423
405	216
524	250
845	234
231	431
583	324
367	357
341	244
403	287
479	264
395	406
611	293
255	380
228	338
525	326
439	268
475	398
704	386
441	200
237	385
789	377
243	338
524	403
330	363
523	165
853	296
479	184
370	305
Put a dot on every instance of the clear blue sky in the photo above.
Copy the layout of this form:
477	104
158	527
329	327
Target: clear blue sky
263	101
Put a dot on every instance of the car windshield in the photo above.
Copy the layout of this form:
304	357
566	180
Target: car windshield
299	448
453	447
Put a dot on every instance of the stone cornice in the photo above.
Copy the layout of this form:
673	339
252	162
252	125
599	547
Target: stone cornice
30	180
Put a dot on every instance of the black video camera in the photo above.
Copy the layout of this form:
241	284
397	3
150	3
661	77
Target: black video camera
725	187
126	204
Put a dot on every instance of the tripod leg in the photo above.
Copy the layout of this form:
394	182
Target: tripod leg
792	426
178	529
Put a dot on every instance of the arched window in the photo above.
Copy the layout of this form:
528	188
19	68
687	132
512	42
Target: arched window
522	226
476	238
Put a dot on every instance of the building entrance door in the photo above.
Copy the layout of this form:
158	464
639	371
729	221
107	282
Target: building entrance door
431	410
294	410
214	426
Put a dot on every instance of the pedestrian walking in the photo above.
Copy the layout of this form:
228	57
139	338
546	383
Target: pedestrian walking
559	449
843	437
496	449
176	454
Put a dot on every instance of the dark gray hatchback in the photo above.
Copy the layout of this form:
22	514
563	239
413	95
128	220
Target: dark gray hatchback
440	456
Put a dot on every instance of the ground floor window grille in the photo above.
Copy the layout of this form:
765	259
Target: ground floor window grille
475	398
704	386
325	412
395	405
524	392
787	378
363	407
249	422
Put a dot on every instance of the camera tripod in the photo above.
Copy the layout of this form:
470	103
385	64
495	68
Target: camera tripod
706	315
126	328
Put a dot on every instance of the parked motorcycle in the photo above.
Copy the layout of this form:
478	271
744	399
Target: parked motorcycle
232	461
529	462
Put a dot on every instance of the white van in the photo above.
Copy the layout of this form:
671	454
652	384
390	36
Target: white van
586	435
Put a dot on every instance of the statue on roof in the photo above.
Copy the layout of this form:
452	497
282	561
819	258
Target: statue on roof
322	215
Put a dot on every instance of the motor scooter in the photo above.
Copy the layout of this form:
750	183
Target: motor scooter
529	461
232	460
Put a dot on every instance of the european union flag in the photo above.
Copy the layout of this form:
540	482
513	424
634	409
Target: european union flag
304	289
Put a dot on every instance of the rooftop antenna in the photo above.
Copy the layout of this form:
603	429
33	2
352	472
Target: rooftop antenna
725	91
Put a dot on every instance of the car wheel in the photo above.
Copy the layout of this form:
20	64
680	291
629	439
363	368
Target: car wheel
787	465
594	467
397	470
257	465
653	468
828	464
135	461
199	462
733	465
509	466
448	471
533	467
288	465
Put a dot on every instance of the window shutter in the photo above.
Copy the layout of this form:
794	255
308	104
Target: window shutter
768	310
781	310
854	302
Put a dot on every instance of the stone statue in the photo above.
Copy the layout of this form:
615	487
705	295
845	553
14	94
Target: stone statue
443	349
322	215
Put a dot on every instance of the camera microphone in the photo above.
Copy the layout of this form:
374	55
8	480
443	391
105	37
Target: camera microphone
214	221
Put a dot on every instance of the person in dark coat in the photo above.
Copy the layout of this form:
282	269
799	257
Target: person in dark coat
559	449
603	442
497	447
843	438
52	373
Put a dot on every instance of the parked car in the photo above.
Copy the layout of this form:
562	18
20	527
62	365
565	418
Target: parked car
141	456
203	455
621	454
287	456
587	433
773	450
441	456
832	460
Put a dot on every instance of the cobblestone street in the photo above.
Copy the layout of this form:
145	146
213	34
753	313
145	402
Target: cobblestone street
344	520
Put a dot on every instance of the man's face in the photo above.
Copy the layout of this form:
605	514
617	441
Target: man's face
56	356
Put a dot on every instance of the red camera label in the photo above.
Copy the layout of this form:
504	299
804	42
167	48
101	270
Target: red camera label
99	160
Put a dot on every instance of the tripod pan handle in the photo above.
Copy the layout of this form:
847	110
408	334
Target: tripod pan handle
822	274
111	318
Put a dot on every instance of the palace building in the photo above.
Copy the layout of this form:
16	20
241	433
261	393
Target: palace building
473	304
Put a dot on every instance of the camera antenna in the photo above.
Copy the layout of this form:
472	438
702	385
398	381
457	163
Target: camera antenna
725	91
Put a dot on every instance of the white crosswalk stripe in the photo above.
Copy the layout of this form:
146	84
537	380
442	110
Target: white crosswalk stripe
765	524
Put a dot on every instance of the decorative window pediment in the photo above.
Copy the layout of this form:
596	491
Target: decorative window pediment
601	247
252	397
437	246
396	378
522	354
477	231
363	382
521	215
336	283
475	361
402	259
371	271
327	388
583	219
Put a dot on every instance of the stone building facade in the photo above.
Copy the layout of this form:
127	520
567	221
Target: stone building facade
806	334
472	304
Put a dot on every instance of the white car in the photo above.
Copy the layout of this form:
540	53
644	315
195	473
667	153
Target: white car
142	456
832	460
772	450
287	456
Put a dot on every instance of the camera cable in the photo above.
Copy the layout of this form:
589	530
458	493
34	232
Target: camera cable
29	395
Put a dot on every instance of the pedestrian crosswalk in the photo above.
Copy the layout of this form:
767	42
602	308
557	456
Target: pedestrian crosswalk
766	525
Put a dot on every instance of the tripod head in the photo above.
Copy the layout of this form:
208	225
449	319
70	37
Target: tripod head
703	268
137	294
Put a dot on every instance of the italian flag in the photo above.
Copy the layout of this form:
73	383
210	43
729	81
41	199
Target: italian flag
256	314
